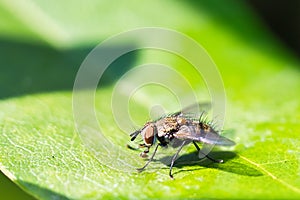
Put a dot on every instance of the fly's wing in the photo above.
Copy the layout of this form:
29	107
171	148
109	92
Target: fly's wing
214	138
196	134
197	108
194	110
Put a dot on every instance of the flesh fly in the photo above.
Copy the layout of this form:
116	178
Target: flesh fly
177	130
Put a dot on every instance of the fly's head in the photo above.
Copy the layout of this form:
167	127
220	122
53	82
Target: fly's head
148	133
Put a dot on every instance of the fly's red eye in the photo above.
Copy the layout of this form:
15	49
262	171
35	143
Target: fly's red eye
148	135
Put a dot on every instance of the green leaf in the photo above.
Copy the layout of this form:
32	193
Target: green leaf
42	153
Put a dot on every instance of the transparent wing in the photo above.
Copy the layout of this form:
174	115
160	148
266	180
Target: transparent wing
196	134
214	138
197	108
194	110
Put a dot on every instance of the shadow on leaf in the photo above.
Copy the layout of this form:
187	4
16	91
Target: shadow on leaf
192	159
28	68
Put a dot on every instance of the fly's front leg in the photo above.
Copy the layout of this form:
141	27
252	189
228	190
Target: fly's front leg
141	169
140	146
210	158
144	154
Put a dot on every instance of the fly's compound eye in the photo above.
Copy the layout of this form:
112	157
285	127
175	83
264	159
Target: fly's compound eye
148	135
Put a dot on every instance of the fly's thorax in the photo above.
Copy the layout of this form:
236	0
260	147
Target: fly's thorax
148	134
160	127
161	132
166	125
181	121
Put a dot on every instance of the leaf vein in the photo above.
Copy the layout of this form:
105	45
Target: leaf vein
259	166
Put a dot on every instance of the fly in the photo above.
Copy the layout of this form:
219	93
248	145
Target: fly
177	130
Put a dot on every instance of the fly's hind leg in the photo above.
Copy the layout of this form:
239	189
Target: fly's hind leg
207	156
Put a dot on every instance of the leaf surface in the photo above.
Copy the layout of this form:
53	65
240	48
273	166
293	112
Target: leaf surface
42	153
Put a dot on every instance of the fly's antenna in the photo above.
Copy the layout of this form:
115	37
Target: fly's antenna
134	135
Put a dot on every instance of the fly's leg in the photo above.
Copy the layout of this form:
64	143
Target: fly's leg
144	154
174	158
141	169
210	158
140	146
130	147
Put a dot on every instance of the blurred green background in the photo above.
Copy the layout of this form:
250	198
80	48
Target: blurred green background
43	43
